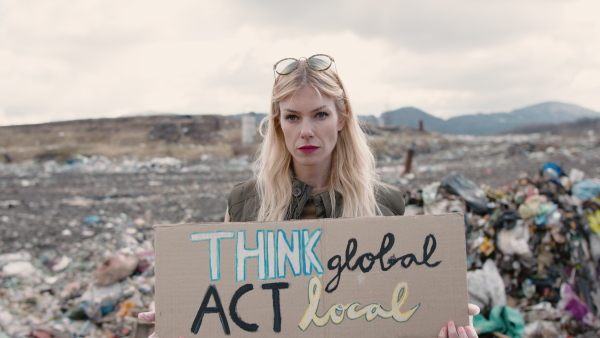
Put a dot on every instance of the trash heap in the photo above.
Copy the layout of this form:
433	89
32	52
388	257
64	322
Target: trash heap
77	295
77	242
532	250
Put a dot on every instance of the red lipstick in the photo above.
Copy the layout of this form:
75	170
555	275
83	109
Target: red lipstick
308	149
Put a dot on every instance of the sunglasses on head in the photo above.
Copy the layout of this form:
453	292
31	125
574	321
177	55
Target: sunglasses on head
317	62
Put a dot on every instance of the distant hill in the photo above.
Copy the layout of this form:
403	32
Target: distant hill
580	126
181	136
482	124
410	117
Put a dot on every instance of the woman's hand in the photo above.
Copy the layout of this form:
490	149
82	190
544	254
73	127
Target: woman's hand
451	331
148	317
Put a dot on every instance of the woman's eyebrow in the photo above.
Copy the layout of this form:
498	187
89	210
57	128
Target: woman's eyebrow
321	107
297	112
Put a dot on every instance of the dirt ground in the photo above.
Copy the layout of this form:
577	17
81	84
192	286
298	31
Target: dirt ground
42	201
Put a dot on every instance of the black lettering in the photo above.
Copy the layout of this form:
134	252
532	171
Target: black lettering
427	254
210	292
233	309
350	252
335	262
275	287
386	245
332	264
411	258
360	262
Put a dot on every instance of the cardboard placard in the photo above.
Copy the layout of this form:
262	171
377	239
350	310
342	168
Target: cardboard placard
402	276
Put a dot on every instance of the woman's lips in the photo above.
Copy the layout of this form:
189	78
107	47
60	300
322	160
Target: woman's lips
308	149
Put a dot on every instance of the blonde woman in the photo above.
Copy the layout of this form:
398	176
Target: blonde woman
314	161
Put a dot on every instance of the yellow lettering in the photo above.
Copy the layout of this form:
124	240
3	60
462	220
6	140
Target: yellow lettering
338	312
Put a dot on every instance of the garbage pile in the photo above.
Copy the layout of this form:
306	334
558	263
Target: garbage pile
71	295
76	238
532	250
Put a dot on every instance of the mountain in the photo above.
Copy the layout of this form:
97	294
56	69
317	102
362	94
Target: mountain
410	117
485	124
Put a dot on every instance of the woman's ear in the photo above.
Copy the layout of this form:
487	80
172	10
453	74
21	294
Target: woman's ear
342	120
341	123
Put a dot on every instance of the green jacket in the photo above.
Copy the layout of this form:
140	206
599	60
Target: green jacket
243	201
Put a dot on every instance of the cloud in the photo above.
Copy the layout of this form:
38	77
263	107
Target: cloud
65	60
424	26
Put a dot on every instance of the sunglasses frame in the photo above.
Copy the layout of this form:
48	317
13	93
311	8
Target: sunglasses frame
298	64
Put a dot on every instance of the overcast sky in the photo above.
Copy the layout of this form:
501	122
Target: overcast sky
65	59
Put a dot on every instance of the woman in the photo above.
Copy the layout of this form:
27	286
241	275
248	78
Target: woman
314	161
314	154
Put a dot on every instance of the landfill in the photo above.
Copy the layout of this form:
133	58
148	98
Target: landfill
76	236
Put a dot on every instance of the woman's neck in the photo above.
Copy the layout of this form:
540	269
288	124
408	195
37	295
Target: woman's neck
315	176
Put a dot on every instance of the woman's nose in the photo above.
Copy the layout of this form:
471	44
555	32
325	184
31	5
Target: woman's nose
307	130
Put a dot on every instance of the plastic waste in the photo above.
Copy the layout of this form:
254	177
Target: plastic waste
576	175
502	319
507	220
552	172
486	287
587	189
475	197
542	328
115	269
18	269
98	301
571	302
514	241
62	264
92	219
430	192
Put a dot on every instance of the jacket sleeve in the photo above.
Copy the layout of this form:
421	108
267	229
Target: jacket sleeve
242	202
390	200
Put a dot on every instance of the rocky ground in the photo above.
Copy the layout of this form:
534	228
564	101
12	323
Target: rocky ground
62	219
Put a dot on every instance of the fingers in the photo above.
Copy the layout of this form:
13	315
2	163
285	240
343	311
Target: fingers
147	317
471	333
443	332
473	310
452	332
462	333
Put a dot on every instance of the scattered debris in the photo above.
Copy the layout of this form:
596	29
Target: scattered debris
76	241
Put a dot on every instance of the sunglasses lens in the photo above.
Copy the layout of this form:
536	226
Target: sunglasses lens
319	62
285	67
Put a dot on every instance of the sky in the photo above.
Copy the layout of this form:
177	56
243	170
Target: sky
66	60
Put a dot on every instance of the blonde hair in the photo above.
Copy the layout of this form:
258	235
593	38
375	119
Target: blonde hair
352	164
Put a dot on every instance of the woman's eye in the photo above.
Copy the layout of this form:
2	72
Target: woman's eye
322	114
291	117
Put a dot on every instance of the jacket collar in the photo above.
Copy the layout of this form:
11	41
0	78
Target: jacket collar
301	192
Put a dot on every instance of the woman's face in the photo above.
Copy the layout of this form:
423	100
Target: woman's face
310	125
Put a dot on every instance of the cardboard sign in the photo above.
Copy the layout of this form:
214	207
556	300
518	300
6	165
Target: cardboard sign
401	276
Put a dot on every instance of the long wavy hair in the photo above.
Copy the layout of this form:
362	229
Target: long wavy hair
352	163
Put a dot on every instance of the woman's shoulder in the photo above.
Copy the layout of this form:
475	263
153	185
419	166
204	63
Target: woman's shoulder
390	199
242	191
242	202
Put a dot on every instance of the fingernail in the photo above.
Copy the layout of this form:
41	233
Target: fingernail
450	325
461	330
468	329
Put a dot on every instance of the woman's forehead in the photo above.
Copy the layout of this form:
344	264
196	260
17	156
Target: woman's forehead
306	97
